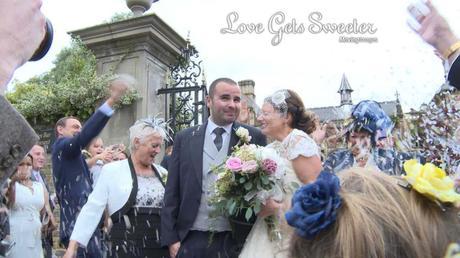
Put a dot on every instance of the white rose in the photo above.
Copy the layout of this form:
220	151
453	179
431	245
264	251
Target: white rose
243	134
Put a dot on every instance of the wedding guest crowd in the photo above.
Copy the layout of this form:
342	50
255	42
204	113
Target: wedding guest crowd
369	126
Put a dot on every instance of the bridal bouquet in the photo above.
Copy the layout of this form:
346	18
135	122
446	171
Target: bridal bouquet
246	179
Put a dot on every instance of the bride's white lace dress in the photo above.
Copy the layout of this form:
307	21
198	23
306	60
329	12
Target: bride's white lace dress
258	244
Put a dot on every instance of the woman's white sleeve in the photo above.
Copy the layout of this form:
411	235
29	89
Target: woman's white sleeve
91	213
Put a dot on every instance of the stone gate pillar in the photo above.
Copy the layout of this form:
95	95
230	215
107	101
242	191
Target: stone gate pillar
142	47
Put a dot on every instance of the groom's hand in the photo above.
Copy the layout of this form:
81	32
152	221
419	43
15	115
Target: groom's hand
173	249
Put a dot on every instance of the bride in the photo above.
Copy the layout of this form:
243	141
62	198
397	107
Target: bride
285	120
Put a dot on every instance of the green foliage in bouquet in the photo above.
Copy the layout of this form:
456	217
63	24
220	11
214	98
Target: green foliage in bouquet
245	180
72	87
234	188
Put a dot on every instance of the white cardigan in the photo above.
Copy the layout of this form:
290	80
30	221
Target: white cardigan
112	190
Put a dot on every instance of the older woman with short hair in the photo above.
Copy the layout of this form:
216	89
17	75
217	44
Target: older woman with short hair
132	190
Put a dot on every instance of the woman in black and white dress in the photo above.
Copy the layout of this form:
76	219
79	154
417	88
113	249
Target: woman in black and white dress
132	190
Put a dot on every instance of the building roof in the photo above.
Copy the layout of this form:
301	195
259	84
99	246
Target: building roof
343	112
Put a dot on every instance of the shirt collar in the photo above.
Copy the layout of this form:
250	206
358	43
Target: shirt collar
212	126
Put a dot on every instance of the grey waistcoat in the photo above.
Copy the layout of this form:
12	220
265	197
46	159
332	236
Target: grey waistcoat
211	157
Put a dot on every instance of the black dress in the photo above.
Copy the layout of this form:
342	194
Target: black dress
136	230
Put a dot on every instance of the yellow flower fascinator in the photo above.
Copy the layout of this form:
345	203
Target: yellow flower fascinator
453	251
430	181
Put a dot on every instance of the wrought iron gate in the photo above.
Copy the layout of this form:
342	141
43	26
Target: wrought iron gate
185	91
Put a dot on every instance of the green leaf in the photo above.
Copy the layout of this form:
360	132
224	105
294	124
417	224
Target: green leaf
231	211
242	179
248	214
257	207
248	186
265	180
259	186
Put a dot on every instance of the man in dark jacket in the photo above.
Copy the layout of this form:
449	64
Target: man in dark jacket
185	226
71	175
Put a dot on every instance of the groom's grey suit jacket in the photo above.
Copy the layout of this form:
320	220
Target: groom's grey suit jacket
185	173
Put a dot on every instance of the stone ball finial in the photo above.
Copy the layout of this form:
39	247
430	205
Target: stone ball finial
139	7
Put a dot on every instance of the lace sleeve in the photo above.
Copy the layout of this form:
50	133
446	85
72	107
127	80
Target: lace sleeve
301	145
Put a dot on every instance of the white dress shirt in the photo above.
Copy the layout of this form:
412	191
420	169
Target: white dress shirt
210	130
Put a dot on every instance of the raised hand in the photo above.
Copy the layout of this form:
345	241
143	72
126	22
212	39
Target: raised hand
118	89
106	155
434	29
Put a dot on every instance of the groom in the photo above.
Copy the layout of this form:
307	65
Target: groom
186	224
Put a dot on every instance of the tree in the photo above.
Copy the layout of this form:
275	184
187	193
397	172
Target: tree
121	16
71	88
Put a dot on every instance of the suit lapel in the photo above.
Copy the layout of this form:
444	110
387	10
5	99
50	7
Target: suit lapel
233	138
44	180
196	150
86	171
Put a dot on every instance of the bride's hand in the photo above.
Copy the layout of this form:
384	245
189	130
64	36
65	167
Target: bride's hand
271	207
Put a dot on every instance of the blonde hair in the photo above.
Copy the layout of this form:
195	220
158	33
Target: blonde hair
379	218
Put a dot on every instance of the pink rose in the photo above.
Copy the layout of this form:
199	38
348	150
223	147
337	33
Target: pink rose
249	166
234	164
269	166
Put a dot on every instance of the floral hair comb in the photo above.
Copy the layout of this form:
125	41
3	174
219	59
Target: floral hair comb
431	182
314	206
278	100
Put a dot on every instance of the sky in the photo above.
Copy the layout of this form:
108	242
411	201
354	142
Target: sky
310	63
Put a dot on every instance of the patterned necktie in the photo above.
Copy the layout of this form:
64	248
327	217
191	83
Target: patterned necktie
218	131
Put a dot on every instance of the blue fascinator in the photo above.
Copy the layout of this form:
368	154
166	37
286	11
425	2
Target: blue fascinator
370	116
315	205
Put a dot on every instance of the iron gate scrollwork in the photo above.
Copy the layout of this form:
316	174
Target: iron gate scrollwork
185	91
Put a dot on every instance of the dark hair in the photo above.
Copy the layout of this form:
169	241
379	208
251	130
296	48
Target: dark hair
302	119
62	122
358	129
11	191
213	85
